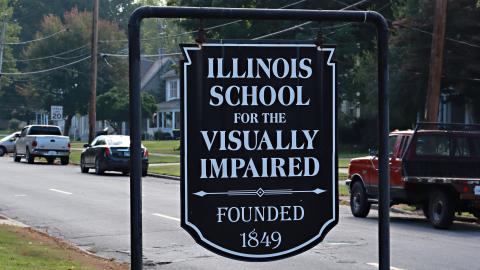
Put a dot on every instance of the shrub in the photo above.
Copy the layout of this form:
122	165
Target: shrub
14	124
161	135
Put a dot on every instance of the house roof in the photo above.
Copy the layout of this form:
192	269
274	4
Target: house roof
169	104
170	73
152	70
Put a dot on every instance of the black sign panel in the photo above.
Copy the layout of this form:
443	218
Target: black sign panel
259	171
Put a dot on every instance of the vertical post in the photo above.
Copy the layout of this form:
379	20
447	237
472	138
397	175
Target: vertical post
1	47
135	145
436	59
93	73
383	170
158	120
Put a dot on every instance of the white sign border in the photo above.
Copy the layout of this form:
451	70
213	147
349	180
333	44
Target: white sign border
186	49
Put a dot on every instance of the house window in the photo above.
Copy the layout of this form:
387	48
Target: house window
173	89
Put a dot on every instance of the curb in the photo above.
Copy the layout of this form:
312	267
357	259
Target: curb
8	221
163	176
395	210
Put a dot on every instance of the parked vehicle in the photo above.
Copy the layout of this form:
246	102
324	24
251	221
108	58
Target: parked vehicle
110	153
437	167
42	141
7	143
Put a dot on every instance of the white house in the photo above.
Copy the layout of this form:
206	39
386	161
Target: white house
168	114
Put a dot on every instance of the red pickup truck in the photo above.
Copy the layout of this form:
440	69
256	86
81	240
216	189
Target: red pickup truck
435	166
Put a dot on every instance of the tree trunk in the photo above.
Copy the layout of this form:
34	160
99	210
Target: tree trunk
68	124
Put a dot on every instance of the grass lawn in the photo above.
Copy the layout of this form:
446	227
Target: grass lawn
77	144
160	147
343	163
1	137
160	159
173	170
75	157
343	190
23	248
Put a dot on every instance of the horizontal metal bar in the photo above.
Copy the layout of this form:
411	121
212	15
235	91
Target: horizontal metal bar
258	14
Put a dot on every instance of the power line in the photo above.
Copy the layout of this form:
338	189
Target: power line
33	59
126	55
300	25
187	33
33	40
29	79
40	71
422	31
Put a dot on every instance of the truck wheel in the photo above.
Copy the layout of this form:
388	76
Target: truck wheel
126	172
98	168
16	158
64	160
144	172
2	151
442	209
50	160
426	211
30	159
358	201
82	166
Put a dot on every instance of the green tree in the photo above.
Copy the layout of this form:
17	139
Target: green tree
410	48
113	107
70	86
351	38
30	13
171	30
11	104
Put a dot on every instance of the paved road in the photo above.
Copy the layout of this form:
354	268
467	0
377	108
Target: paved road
93	212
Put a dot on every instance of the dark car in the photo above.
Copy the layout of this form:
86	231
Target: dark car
110	153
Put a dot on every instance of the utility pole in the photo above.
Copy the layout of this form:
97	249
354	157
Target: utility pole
93	74
1	47
436	59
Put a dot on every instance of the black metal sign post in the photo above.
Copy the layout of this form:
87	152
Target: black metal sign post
216	188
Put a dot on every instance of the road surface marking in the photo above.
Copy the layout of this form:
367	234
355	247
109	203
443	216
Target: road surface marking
391	267
64	192
19	195
172	218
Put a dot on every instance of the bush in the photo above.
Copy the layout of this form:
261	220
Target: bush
14	124
144	135
161	135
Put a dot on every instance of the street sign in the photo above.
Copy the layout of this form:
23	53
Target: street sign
259	161
56	113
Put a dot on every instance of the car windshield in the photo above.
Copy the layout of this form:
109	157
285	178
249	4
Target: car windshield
120	140
45	131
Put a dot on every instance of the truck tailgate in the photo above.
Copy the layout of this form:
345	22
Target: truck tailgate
46	142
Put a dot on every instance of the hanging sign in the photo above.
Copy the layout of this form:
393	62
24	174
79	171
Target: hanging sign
259	171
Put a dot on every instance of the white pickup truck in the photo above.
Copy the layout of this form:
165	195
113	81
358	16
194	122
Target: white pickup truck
42	141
